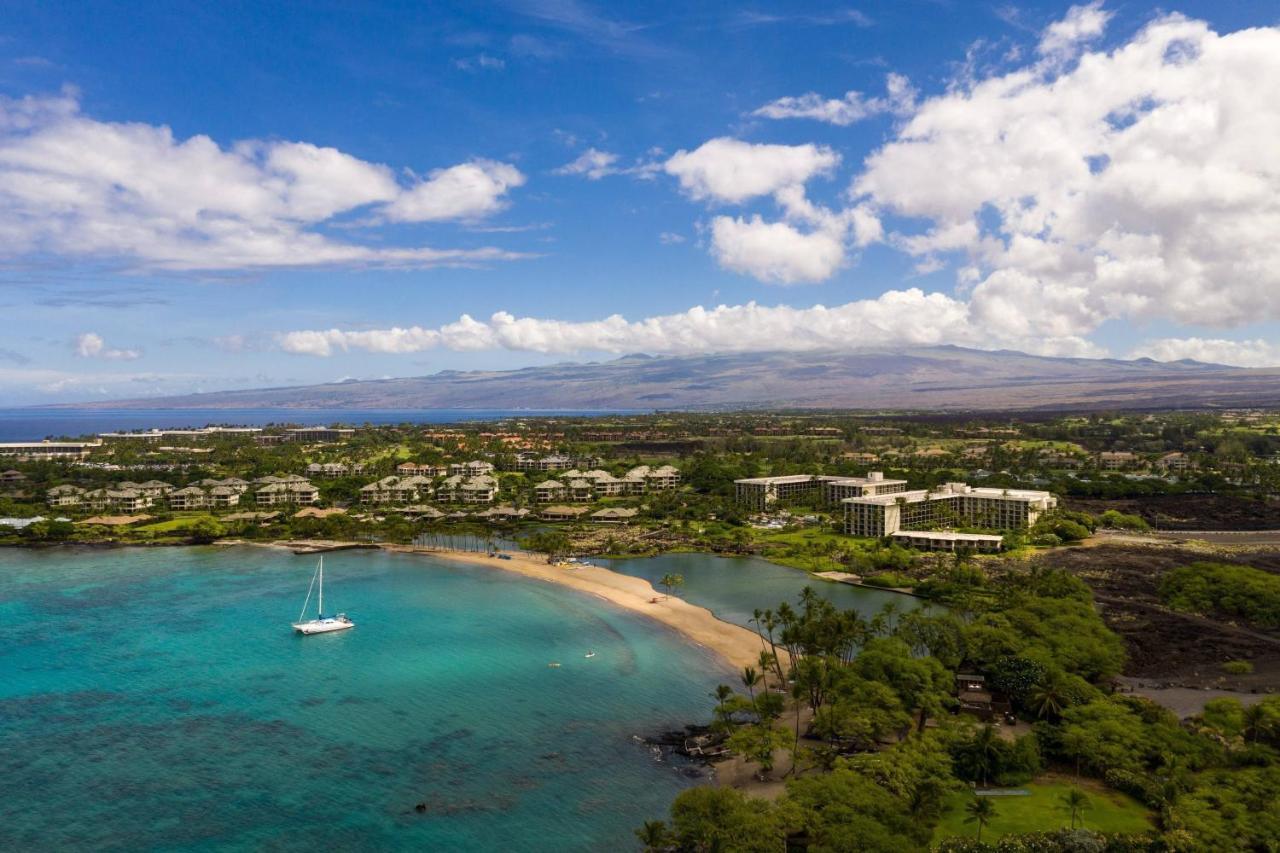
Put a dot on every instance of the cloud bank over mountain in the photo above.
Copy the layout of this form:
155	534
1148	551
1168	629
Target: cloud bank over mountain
1132	184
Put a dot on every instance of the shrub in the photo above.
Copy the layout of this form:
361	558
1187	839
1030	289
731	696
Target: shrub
1123	521
1232	591
1237	667
890	579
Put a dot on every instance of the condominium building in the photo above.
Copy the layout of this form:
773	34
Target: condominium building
758	493
549	491
951	505
286	491
192	497
408	469
333	469
534	462
462	489
66	495
395	489
224	497
474	468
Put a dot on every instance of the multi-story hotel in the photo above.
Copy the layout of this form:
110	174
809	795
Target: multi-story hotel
951	505
759	492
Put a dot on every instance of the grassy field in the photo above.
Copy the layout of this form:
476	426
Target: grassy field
1042	811
173	524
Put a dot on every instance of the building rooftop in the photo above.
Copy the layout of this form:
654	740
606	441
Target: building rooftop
952	490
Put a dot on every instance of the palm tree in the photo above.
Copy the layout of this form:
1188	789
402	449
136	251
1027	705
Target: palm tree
1076	802
653	835
670	581
986	745
980	810
797	697
1048	700
890	611
766	663
750	678
1254	719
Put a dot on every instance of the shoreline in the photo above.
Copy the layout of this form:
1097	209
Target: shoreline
736	646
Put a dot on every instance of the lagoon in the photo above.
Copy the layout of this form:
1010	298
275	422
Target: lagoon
734	587
156	697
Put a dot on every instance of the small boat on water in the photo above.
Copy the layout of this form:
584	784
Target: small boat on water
590	654
321	624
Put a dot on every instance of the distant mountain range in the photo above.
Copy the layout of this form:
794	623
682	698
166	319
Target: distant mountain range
945	378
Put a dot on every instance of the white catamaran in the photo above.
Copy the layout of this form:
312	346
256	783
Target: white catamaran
321	624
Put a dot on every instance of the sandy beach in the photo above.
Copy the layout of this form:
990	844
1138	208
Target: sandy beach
737	646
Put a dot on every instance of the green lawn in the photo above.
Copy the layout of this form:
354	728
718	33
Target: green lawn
1042	811
173	524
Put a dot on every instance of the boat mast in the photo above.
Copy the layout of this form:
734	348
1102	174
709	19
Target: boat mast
320	607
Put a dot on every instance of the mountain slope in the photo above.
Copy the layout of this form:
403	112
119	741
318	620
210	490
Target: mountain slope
917	378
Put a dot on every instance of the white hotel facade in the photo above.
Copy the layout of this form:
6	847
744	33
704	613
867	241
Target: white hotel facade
951	505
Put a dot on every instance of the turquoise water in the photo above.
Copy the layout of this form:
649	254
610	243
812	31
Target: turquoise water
156	698
733	587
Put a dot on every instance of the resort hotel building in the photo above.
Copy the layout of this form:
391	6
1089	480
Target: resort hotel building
950	505
759	492
876	507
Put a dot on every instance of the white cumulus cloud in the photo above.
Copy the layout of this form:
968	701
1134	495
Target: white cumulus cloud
78	187
775	251
1137	183
732	171
1081	24
466	191
91	345
842	112
592	164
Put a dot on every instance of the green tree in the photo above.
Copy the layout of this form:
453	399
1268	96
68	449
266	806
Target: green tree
750	679
670	582
1075	802
205	530
654	836
708	818
553	543
980	810
758	742
49	530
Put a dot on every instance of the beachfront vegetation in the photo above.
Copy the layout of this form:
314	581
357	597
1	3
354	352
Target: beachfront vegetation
881	754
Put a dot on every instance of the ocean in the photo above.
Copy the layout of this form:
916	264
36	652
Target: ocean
157	698
34	424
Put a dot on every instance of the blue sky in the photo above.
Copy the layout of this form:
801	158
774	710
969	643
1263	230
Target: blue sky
206	196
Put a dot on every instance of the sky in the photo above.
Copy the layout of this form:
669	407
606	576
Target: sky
196	197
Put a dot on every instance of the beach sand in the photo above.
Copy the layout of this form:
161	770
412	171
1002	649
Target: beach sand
737	646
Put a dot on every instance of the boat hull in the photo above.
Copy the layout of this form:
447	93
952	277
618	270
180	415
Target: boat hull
322	626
